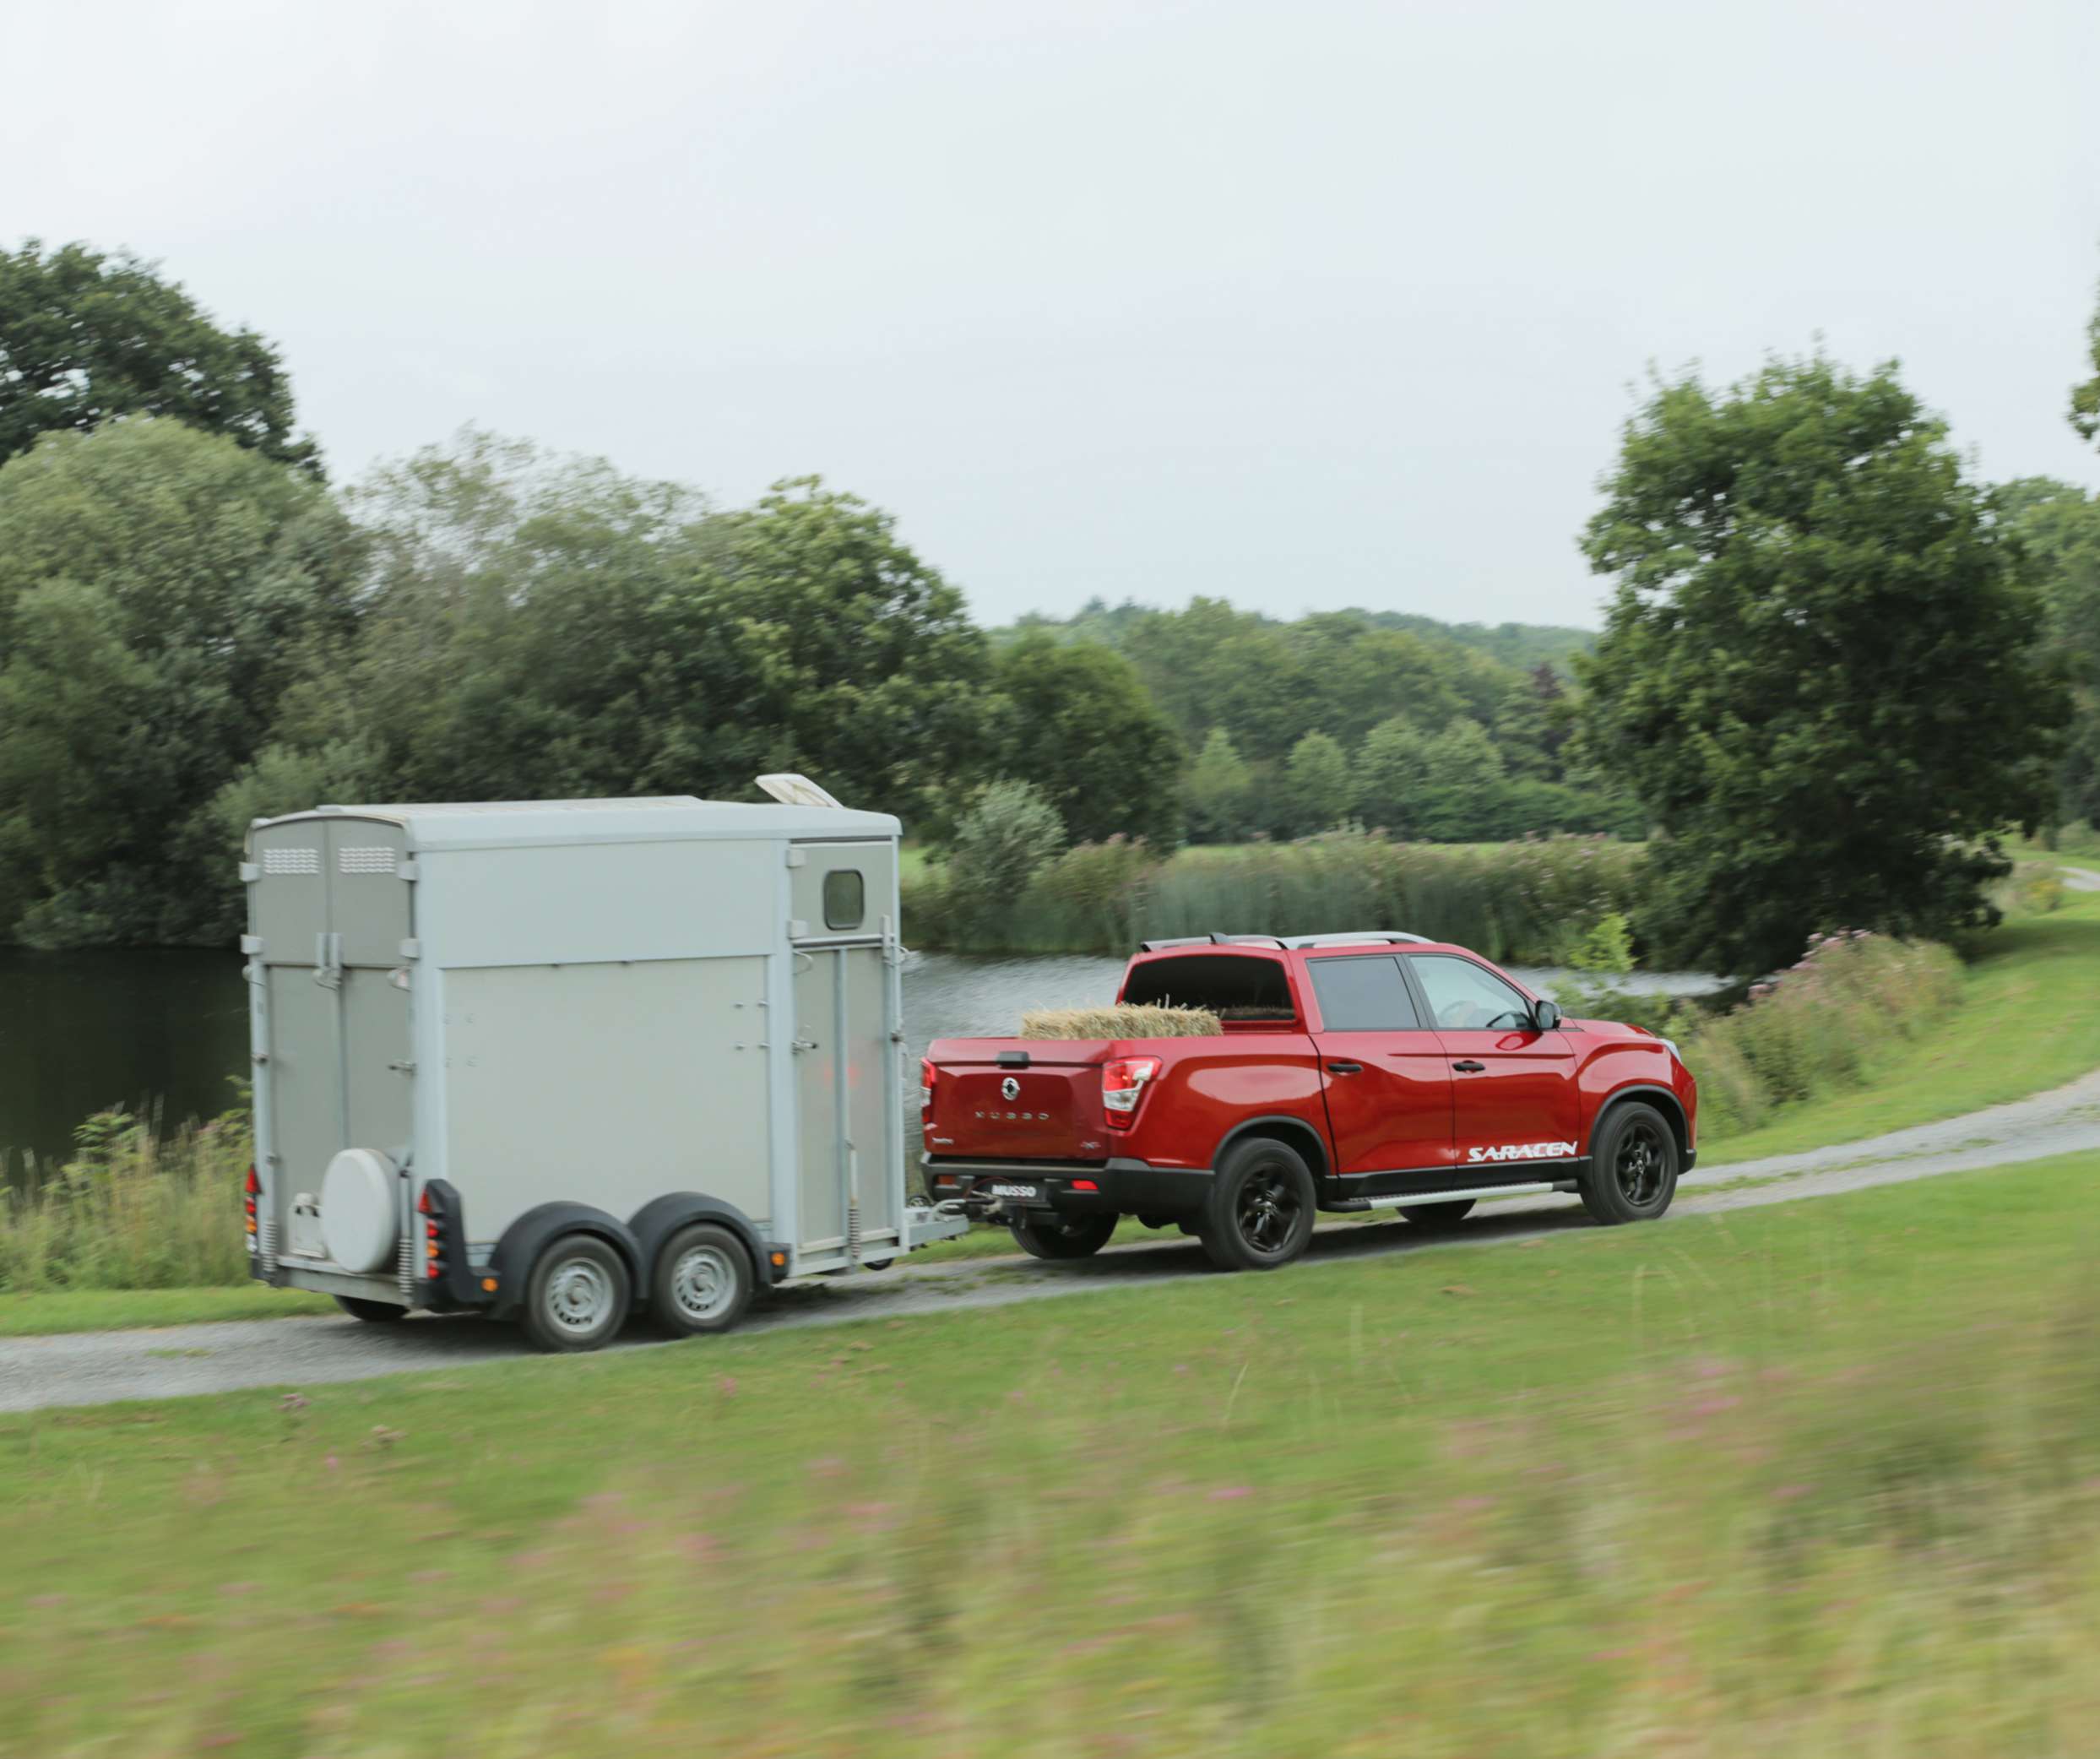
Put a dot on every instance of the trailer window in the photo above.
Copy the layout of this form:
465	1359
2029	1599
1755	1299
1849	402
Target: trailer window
845	899
1234	987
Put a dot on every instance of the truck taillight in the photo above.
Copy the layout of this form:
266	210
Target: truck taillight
926	1073
1123	1081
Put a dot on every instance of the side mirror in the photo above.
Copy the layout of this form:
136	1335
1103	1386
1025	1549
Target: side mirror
1546	1015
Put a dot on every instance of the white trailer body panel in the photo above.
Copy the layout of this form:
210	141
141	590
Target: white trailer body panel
594	1002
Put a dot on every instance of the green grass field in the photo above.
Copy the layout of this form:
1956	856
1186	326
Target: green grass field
1817	1477
112	1309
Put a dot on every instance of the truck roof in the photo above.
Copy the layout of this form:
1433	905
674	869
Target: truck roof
1351	938
676	817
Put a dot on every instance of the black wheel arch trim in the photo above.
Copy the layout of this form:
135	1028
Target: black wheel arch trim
660	1217
524	1240
1672	1108
1295	1131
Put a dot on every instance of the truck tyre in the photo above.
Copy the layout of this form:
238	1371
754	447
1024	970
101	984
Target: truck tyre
577	1295
371	1312
1633	1166
1438	1215
1062	1236
703	1283
1260	1208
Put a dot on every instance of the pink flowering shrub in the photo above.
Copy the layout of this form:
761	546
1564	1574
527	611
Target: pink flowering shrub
1815	1027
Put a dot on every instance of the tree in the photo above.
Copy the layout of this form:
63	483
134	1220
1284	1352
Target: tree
542	625
2085	399
85	337
1460	800
1083	729
2060	525
1391	775
1816	672
1220	790
161	592
1008	835
1316	781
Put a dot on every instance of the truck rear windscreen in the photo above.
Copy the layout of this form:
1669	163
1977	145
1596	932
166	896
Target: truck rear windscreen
1234	986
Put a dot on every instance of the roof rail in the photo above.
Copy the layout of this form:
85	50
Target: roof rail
1389	936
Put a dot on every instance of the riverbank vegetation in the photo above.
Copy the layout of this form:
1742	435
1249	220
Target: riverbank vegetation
1529	901
1803	1478
1868	1034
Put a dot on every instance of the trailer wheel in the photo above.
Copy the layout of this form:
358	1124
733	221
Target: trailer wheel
577	1296
1633	1167
1056	1237
1437	1215
371	1312
1261	1209
702	1282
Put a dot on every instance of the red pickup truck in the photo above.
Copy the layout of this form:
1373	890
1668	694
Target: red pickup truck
1355	1072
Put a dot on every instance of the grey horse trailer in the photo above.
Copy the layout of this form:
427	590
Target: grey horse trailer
567	1061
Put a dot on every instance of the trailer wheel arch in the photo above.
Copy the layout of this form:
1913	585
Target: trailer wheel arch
660	1217
526	1238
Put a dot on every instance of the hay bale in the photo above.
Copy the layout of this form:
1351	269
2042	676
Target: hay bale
1120	1022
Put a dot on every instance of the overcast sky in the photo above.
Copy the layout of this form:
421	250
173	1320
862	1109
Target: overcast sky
1306	304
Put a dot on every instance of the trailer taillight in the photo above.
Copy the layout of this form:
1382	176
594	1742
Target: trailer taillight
433	1214
250	1189
926	1074
1123	1080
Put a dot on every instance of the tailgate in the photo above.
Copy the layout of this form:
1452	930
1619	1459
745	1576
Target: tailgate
1017	1100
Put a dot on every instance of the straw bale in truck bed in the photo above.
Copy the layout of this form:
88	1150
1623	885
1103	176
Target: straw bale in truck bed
1120	1022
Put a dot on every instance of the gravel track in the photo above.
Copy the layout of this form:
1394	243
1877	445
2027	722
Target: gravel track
88	1368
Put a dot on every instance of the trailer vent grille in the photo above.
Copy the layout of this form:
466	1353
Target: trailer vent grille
380	860
292	860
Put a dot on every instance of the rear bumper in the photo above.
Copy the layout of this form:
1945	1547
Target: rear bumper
1118	1187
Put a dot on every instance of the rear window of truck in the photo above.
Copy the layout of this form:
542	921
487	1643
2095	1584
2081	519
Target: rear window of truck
1234	987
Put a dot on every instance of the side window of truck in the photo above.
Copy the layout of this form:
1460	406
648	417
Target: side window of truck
1463	996
1363	994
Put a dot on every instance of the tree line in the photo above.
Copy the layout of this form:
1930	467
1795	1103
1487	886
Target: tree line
1835	668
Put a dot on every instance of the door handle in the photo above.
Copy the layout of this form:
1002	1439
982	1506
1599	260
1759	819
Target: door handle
1345	1068
1469	1067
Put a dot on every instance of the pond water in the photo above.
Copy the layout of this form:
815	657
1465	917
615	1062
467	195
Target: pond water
166	1030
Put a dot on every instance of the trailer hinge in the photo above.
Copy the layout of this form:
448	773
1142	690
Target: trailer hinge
250	943
402	1069
250	873
411	948
798	857
405	868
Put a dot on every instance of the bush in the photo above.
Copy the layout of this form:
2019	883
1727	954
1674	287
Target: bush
1009	832
135	1208
1809	1030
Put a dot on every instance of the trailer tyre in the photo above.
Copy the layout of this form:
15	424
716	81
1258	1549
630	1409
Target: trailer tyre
577	1294
703	1281
1633	1167
371	1312
1261	1208
1060	1237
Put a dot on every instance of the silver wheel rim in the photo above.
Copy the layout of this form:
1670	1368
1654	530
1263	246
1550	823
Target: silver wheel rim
704	1282
579	1296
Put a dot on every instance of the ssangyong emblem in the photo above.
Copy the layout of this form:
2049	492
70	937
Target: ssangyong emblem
1009	1088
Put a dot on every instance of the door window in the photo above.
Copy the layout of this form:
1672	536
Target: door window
1363	994
1464	996
845	899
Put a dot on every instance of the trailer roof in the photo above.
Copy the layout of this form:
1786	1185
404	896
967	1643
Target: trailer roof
675	817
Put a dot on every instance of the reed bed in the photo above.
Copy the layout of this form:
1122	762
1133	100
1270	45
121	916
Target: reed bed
138	1207
1526	903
